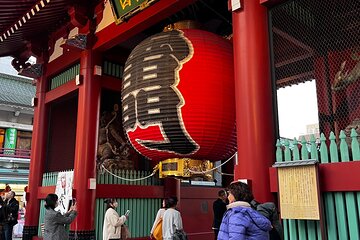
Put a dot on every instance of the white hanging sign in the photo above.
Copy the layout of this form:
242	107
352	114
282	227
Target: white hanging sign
63	190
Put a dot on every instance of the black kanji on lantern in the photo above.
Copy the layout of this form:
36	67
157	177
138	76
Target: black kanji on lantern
150	95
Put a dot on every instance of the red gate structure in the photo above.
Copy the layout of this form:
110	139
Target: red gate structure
81	49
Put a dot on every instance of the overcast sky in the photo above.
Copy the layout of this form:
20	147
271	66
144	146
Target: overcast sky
297	107
5	66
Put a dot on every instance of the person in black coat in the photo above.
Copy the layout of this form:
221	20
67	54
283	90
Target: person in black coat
2	216
219	208
11	215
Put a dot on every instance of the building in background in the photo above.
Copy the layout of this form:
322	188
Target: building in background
16	118
311	129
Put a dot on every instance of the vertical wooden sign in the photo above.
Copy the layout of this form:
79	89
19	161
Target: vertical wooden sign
299	189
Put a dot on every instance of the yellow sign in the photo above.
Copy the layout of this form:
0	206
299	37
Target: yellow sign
299	191
185	168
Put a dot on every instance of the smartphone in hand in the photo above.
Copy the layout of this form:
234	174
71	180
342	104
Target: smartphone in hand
72	203
127	213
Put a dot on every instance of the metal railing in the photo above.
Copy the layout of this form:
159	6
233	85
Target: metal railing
15	153
341	208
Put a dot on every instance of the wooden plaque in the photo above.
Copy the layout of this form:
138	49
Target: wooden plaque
299	190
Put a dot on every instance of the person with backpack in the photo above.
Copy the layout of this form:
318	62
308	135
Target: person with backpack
240	221
270	211
172	228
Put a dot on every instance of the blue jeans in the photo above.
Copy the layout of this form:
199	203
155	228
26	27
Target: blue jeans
7	231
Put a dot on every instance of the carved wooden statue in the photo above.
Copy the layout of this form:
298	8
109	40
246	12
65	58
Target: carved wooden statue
113	150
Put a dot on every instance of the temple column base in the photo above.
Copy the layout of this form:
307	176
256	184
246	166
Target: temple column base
29	232
82	235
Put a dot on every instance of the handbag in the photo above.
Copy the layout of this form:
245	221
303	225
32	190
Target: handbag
180	235
157	234
125	232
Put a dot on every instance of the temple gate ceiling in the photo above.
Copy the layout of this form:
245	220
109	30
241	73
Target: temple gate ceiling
23	22
28	24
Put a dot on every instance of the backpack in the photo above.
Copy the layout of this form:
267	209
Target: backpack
270	211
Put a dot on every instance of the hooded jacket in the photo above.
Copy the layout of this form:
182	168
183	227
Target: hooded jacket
241	222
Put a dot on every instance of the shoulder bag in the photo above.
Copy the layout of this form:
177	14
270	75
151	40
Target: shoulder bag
158	230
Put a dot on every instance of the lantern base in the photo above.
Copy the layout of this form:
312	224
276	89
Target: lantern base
186	168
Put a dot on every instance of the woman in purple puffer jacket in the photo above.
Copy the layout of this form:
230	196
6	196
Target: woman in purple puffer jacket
240	221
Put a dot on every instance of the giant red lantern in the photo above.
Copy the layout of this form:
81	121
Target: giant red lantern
178	96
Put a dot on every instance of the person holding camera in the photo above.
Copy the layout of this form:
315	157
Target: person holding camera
54	228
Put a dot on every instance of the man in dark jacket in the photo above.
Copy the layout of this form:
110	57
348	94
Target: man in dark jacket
219	208
2	216
11	215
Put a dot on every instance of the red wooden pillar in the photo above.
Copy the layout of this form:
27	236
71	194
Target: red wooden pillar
253	89
324	97
172	189
86	145
38	149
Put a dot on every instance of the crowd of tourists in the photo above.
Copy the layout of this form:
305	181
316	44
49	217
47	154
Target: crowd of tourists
236	216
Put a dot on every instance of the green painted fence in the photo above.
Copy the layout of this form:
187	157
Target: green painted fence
113	69
109	68
141	218
342	209
65	76
143	211
107	178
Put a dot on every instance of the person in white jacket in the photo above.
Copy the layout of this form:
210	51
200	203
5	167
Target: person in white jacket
171	220
158	217
112	221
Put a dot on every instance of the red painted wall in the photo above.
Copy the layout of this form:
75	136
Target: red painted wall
196	211
62	133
